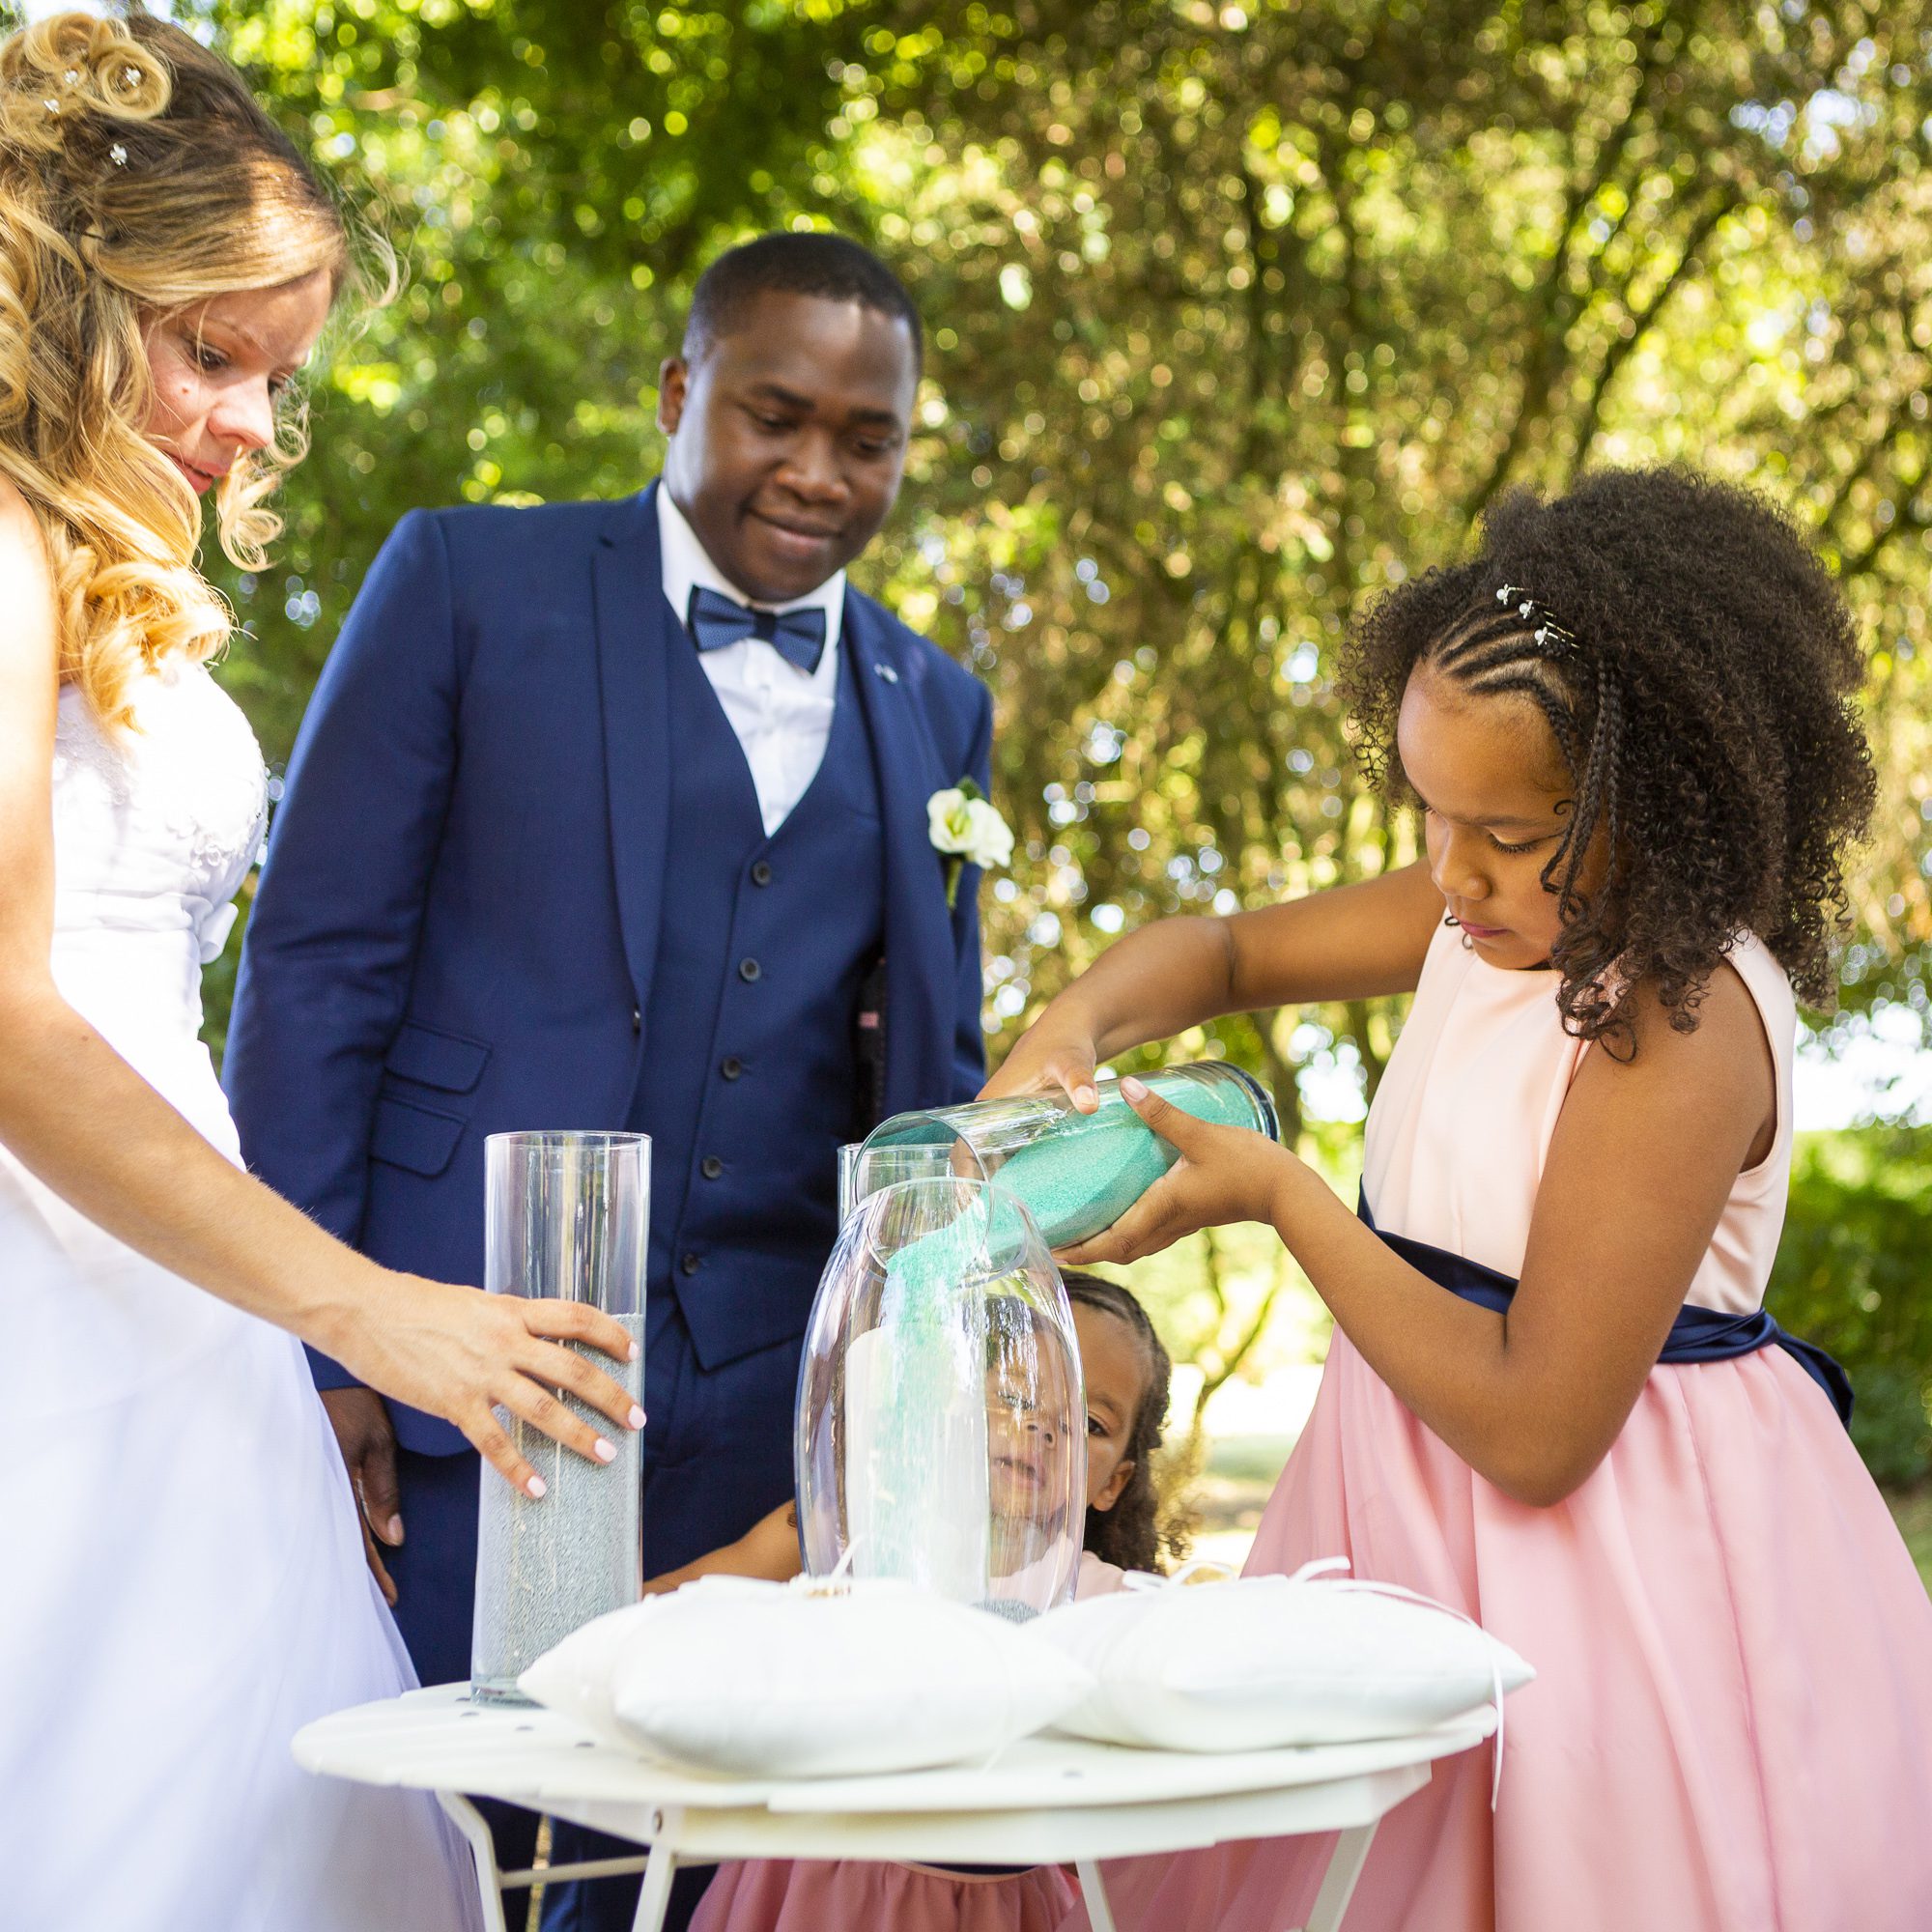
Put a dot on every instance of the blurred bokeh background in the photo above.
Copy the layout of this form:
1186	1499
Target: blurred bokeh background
1237	314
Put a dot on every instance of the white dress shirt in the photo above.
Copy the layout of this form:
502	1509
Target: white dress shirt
782	715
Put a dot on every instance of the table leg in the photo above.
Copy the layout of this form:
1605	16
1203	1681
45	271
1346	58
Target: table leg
1344	1867
471	1824
655	1897
1094	1890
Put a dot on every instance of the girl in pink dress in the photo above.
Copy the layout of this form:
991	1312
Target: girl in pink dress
1553	1400
1125	1370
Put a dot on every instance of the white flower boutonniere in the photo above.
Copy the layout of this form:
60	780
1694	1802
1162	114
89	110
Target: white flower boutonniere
966	828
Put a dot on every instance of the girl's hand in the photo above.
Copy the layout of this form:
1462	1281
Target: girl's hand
1224	1173
461	1354
1051	1054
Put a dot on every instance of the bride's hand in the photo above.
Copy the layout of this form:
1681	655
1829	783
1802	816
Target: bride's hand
461	1354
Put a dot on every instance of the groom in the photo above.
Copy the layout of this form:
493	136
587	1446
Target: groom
613	815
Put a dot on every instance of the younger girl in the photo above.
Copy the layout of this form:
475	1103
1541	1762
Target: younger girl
1628	727
1125	1370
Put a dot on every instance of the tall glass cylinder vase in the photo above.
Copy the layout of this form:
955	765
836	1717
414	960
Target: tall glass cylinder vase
567	1218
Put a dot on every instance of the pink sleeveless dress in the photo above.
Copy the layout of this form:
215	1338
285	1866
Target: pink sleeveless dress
1731	1725
828	1895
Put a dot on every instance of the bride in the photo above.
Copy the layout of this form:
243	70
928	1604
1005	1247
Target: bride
185	1579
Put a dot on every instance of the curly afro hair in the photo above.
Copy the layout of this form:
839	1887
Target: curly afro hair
1697	669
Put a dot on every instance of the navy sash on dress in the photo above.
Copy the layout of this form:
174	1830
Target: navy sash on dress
1697	1335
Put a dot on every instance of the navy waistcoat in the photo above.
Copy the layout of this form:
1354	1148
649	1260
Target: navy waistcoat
1697	1335
752	1074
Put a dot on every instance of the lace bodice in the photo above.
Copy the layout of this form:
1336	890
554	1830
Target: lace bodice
154	829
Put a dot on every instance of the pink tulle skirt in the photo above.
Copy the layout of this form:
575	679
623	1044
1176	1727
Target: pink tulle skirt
777	1895
1731	1725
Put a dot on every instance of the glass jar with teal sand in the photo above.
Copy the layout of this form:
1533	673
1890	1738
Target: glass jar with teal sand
1078	1173
941	1427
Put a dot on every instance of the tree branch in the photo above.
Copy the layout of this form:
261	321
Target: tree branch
1622	346
1912	516
1559	309
1898	417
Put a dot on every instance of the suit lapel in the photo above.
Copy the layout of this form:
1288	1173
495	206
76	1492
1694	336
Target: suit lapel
632	620
918	1016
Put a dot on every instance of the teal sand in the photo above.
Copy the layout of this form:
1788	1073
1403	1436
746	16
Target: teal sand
1076	1173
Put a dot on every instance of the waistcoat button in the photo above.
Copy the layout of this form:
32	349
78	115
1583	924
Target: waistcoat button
637	1019
748	969
732	1067
761	873
711	1167
688	1264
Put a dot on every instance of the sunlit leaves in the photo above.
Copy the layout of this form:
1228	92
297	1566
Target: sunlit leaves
1237	316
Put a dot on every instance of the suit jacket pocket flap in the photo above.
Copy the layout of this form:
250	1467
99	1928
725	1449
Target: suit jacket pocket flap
728	1322
417	1138
433	1058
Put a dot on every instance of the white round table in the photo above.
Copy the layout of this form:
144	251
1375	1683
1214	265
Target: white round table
1042	1800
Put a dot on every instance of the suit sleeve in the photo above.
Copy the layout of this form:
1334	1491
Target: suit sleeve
331	938
970	1037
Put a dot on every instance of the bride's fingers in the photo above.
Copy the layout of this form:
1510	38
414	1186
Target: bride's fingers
558	1420
576	1322
545	1363
489	1437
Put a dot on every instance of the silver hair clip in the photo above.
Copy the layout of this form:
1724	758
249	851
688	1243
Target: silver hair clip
131	75
52	106
72	76
1552	638
118	155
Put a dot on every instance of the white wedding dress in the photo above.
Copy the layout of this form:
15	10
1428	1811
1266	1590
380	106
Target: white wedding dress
182	1579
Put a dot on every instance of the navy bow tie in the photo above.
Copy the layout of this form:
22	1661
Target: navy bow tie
714	621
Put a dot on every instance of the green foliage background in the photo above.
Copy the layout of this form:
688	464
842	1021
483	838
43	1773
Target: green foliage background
1238	314
1851	1276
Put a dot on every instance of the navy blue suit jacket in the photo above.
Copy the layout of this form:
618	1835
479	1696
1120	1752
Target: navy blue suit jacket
456	928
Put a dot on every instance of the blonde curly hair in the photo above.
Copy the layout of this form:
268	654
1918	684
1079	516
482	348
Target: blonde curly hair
138	179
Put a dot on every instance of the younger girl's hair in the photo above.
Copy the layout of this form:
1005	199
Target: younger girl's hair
138	179
1128	1535
1697	669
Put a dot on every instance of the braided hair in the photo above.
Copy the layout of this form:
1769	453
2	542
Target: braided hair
1128	1535
1697	669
